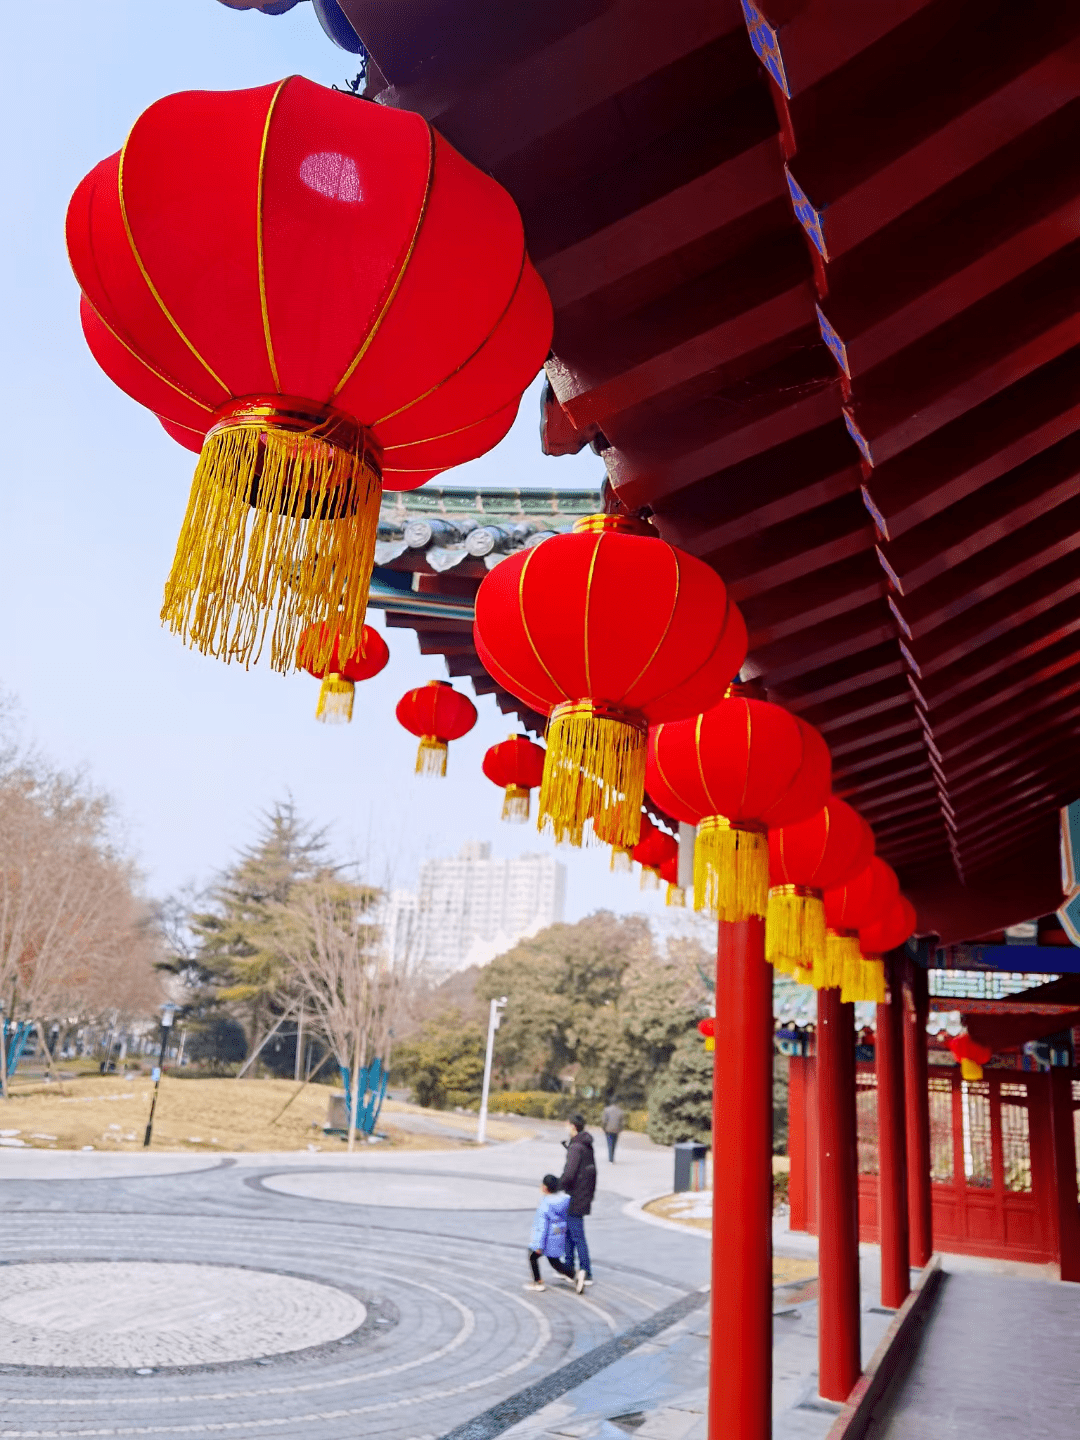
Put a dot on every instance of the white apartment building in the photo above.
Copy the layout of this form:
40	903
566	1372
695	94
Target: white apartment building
473	907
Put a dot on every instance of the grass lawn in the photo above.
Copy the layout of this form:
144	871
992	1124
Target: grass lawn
107	1112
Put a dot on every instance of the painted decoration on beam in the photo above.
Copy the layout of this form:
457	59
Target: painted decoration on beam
340	677
734	771
606	630
517	765
437	713
805	860
201	252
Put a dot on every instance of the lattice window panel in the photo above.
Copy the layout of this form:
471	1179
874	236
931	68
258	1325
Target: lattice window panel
1015	1144
866	1122
978	1144
941	1135
982	984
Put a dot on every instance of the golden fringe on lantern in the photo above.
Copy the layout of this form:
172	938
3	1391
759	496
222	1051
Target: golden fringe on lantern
970	1070
795	931
279	535
335	700
515	804
842	961
676	895
731	869
864	979
431	756
594	770
650	878
622	861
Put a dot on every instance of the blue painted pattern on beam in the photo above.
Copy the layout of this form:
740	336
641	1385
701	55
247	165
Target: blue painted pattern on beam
810	219
833	341
766	44
857	435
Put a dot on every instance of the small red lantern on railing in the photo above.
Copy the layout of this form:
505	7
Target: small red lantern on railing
340	677
518	766
437	713
970	1053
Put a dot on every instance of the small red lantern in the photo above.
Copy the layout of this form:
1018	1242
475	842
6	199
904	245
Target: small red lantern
339	678
805	860
652	852
707	1028
669	872
970	1053
725	770
322	296
438	714
518	766
865	899
606	630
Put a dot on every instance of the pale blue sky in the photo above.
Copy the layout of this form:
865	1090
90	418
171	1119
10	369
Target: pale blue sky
94	492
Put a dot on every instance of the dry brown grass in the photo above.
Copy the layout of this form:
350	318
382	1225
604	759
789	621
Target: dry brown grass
110	1113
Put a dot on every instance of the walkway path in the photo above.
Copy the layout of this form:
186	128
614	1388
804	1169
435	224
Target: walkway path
1000	1357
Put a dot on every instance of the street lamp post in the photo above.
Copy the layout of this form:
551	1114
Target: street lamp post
494	1018
167	1013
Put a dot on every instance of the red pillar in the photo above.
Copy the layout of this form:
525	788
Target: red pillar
1065	1186
838	1209
892	1167
797	1142
916	992
740	1346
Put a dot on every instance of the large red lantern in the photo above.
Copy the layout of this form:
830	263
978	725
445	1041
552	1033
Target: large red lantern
340	676
805	860
724	771
437	713
607	630
323	297
518	766
864	900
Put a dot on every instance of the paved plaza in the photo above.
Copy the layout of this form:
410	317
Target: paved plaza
378	1295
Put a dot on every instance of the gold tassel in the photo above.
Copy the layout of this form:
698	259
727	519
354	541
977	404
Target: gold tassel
842	966
650	878
970	1070
335	700
622	862
731	869
279	535
874	987
676	895
795	931
515	804
431	756
594	770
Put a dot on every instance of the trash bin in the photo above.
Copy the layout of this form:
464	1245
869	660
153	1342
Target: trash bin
690	1165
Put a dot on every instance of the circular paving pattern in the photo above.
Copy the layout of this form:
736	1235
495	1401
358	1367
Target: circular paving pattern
131	1314
402	1191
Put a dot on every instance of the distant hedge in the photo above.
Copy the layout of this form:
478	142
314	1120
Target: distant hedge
552	1105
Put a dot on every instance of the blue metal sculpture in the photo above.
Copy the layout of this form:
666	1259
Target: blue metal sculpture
370	1090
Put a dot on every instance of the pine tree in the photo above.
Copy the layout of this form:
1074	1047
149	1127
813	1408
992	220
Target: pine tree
234	936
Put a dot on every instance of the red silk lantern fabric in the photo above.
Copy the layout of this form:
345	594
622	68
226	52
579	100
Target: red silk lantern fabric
891	930
669	873
438	714
518	766
724	771
339	678
865	899
971	1055
606	630
804	861
339	269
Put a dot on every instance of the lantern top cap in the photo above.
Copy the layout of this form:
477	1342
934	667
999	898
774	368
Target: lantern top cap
745	690
618	524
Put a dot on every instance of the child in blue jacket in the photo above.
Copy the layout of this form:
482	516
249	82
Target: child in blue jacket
549	1236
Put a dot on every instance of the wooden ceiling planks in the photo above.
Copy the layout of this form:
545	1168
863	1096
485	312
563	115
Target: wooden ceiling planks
815	272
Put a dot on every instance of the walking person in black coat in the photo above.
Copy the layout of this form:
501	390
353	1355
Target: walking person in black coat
579	1180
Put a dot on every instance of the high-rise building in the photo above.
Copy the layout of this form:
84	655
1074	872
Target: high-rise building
473	907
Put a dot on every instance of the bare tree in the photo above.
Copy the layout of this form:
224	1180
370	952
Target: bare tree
352	990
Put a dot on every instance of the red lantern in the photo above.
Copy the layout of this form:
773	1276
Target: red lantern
669	873
339	678
723	771
438	714
805	860
707	1028
970	1053
324	297
651	852
607	630
890	929
518	766
865	899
